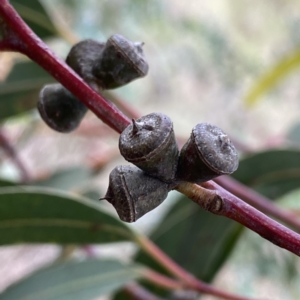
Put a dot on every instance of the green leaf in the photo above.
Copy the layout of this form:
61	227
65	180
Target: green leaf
35	16
75	179
19	92
272	77
4	182
272	173
197	240
73	280
67	179
39	215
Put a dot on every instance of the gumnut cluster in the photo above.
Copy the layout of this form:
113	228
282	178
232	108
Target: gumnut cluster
103	66
149	143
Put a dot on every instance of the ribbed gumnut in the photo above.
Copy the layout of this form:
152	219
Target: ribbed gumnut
60	110
133	193
121	62
149	143
207	154
83	56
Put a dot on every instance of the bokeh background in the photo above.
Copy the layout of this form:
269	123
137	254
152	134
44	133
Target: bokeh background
232	63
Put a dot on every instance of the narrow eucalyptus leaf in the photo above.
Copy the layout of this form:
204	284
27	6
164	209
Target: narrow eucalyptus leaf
73	280
19	93
35	15
40	215
272	173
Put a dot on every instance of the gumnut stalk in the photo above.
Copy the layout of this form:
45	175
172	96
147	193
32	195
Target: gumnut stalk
150	144
133	193
207	154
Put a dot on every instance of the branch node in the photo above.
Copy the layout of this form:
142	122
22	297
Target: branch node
209	200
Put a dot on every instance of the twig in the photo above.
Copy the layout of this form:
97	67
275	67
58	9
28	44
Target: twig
258	201
188	281
138	292
215	199
35	49
163	281
127	109
11	153
4	46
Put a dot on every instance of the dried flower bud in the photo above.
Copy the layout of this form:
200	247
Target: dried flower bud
150	144
101	65
133	193
59	108
121	62
83	56
207	154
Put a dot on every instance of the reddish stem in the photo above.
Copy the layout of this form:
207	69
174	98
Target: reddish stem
35	49
11	153
163	281
5	46
137	292
127	109
187	279
258	201
236	209
21	38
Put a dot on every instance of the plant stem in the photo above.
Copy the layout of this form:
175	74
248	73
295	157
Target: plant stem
11	153
36	50
258	201
138	292
4	46
19	37
215	199
187	280
163	281
131	112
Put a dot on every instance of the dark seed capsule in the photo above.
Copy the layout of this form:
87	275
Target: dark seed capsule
121	62
150	144
101	65
61	110
133	193
81	59
83	56
207	154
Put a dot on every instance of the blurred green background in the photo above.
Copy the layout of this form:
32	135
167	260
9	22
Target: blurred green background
232	63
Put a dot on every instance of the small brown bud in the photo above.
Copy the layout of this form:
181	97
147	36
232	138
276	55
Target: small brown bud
60	110
83	56
207	154
121	62
133	193
150	144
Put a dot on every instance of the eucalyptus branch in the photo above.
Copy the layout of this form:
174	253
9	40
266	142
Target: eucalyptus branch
21	38
217	200
130	111
163	281
5	46
187	280
11	153
138	292
258	201
32	46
